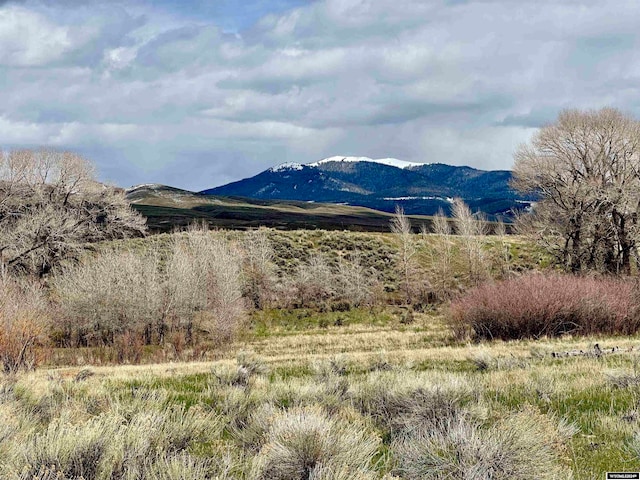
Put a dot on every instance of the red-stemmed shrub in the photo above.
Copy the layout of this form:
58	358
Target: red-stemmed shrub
23	322
538	305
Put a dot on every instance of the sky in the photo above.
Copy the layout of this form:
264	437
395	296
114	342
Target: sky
199	93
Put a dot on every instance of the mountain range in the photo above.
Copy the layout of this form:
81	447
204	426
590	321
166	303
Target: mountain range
381	184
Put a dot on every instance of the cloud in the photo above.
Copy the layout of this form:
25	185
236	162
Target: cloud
29	39
199	93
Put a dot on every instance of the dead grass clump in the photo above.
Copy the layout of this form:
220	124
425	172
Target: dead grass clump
303	443
537	305
83	375
483	361
48	473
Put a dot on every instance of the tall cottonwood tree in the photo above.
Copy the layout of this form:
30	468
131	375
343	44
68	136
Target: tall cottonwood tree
585	168
51	205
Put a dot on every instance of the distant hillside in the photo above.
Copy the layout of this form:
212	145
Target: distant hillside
382	184
167	208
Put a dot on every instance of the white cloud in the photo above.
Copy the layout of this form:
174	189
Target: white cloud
148	92
30	39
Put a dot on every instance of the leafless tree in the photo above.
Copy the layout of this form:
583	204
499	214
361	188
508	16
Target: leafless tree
504	254
51	205
108	294
585	168
471	230
356	284
259	270
195	291
406	262
203	285
314	281
442	258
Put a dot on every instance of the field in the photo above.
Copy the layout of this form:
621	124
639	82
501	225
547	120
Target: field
587	404
333	392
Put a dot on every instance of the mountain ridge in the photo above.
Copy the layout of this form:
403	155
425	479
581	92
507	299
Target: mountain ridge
381	184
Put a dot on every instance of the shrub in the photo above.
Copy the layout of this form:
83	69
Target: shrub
314	282
129	299
150	434
519	447
72	451
259	268
108	295
203	285
538	305
304	443
249	366
397	404
179	467
23	322
356	285
122	443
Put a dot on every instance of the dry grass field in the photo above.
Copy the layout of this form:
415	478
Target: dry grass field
370	397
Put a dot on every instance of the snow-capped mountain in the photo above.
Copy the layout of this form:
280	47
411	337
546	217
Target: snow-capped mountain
392	162
421	188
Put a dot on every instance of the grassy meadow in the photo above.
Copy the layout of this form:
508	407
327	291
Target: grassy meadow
325	390
372	374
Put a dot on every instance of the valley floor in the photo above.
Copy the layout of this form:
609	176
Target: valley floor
368	369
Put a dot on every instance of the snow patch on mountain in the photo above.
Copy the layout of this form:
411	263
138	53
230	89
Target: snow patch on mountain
400	199
283	167
150	186
392	162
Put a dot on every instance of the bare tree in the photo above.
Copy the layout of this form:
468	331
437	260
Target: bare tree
471	230
504	254
357	285
406	264
108	294
51	204
314	281
259	269
442	259
586	170
203	285
196	291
